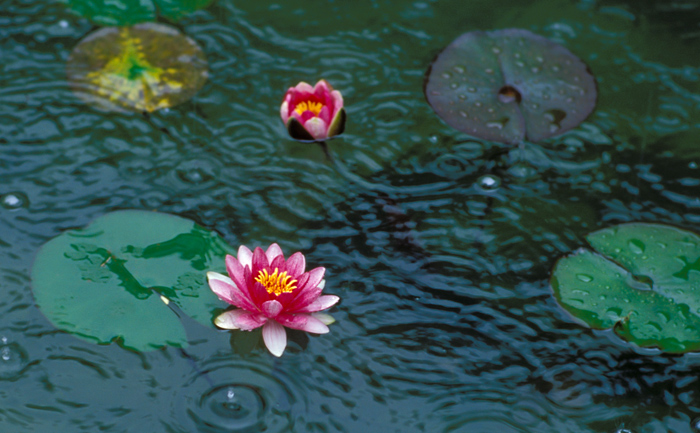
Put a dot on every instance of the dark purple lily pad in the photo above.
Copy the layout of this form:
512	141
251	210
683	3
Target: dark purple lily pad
509	86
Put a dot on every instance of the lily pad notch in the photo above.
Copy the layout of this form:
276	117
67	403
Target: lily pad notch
510	86
642	280
117	279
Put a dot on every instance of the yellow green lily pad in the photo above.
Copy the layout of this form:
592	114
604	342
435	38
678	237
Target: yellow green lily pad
145	67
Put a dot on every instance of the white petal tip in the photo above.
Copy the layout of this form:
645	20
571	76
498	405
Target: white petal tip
213	276
224	321
326	319
275	338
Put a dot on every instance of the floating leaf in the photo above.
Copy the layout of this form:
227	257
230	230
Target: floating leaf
141	68
106	281
642	280
510	86
128	12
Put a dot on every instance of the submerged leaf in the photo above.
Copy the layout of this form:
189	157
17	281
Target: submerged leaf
642	280
509	86
141	68
111	280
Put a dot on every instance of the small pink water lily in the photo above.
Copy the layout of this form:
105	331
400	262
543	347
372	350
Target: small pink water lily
313	113
274	293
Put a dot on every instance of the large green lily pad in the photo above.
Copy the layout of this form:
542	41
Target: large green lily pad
110	280
145	67
509	86
642	280
128	12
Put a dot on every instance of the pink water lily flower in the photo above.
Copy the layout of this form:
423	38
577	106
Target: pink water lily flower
313	113
274	293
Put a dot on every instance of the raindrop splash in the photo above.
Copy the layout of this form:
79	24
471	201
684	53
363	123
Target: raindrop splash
695	425
13	360
14	200
488	183
233	408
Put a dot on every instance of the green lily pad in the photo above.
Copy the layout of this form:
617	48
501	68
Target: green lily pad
141	68
642	280
128	12
111	280
509	86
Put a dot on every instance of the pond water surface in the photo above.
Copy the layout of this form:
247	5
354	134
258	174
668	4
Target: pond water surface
439	245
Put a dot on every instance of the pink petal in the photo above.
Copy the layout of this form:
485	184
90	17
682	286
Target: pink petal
284	112
275	337
271	308
227	290
309	292
260	261
245	256
306	116
279	264
322	303
325	114
302	87
259	294
303	322
315	278
296	264
317	128
337	101
273	251
240	319
236	272
322	87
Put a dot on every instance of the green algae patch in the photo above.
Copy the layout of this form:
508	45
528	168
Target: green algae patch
127	277
642	280
146	67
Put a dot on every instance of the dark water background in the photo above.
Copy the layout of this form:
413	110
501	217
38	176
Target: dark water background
447	322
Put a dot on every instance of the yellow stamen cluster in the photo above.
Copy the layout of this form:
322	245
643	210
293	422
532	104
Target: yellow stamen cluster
314	107
276	283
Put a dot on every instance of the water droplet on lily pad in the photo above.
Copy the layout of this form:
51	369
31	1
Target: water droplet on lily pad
526	78
636	246
646	278
106	282
141	68
584	277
